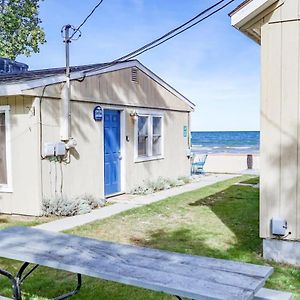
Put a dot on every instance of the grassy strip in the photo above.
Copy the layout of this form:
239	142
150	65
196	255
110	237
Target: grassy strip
14	220
254	180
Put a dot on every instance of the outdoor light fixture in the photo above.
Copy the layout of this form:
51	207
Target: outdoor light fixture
134	115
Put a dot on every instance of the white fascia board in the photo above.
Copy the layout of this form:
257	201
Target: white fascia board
250	11
18	88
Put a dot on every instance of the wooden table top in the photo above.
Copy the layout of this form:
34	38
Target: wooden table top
194	277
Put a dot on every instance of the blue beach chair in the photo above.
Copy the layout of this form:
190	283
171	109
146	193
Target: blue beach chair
198	162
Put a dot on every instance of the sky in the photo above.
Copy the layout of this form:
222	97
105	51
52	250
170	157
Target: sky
212	64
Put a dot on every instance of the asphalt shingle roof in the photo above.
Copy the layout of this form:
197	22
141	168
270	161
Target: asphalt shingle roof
8	78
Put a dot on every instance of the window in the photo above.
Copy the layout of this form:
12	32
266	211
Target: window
143	136
4	149
149	137
156	136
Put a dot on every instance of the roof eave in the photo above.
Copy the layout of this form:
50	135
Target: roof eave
249	11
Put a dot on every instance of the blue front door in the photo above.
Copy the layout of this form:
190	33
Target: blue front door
111	151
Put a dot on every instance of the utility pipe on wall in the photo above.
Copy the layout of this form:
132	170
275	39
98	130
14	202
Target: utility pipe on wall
65	131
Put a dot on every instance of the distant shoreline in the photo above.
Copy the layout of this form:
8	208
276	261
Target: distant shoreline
225	142
230	154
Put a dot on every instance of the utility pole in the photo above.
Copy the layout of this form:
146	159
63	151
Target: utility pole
66	91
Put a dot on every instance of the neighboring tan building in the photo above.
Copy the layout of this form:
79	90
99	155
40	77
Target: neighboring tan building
276	26
127	126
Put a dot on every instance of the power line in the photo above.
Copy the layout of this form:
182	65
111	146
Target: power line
183	30
169	35
173	30
84	21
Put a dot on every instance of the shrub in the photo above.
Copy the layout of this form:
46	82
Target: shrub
160	184
63	206
185	179
149	187
180	182
143	189
59	206
88	199
83	207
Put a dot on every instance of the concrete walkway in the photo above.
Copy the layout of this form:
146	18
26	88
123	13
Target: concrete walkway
125	203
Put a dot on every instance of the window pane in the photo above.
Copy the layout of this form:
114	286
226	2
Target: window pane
143	125
142	146
142	136
3	170
156	146
156	142
157	125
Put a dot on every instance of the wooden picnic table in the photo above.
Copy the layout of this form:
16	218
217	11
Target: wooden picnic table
181	275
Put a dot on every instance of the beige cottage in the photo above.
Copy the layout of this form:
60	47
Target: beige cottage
275	25
127	125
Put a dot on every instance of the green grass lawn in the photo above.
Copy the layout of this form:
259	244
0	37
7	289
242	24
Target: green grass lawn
219	221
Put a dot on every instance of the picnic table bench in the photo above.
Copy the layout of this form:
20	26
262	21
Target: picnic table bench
180	275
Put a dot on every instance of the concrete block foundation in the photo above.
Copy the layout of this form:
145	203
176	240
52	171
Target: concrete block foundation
282	251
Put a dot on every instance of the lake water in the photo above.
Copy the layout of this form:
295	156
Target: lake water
220	142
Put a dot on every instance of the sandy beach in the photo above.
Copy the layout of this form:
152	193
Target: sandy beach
230	163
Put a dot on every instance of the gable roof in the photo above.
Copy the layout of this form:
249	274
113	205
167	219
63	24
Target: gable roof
16	83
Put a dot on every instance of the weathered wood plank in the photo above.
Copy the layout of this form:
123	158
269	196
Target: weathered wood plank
289	125
270	127
184	275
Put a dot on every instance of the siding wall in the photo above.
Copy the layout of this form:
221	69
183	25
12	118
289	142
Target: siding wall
280	118
175	162
84	174
25	198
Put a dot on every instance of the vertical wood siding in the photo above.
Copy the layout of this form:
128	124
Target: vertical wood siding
280	160
25	198
117	88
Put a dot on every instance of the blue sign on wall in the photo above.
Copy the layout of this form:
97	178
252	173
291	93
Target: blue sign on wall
98	113
185	131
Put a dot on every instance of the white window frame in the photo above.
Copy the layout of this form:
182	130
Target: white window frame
7	188
150	115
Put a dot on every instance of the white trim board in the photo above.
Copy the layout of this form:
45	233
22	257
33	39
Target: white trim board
19	87
249	11
7	188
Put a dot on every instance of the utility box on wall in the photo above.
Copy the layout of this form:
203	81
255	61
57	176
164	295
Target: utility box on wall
278	226
60	149
49	149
